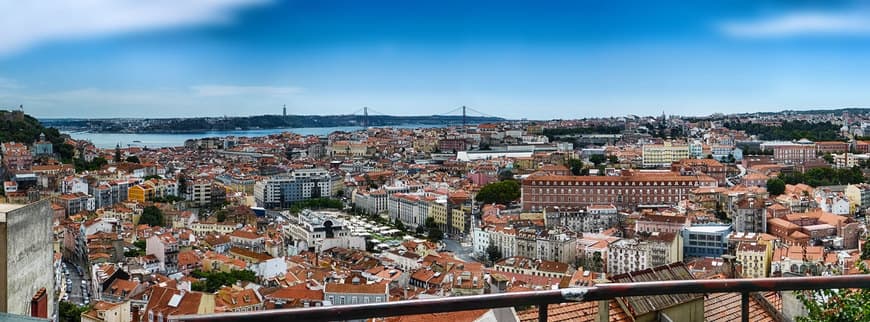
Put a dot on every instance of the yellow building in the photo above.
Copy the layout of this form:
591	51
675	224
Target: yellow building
755	259
141	192
438	212
657	155
458	220
525	163
108	312
858	195
351	149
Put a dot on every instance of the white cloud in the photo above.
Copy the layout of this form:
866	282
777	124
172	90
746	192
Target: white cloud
853	23
24	24
234	90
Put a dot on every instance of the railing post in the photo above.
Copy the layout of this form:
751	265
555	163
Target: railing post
744	306
542	312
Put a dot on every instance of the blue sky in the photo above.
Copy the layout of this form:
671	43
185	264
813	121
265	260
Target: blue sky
538	60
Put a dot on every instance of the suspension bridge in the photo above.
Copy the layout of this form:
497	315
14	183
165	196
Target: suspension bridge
468	114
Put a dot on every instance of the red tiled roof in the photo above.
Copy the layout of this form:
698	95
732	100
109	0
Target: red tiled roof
575	312
298	291
457	316
725	307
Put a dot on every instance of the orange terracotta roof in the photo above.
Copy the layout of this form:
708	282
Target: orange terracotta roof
457	316
574	312
725	307
299	291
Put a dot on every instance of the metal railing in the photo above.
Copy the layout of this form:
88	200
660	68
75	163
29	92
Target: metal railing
541	299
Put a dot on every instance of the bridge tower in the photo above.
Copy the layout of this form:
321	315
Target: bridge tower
365	117
464	129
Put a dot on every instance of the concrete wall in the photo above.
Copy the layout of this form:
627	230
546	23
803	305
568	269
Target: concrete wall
26	243
792	306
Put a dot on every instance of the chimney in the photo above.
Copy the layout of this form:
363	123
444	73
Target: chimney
134	312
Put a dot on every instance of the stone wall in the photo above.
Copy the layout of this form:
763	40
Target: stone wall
26	242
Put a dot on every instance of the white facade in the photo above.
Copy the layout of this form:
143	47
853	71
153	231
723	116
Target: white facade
627	255
310	229
270	268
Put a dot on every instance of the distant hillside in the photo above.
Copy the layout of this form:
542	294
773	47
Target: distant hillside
19	127
817	111
204	124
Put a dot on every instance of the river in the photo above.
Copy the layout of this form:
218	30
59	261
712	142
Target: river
154	140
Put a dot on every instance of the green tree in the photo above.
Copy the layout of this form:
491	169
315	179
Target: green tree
837	304
435	234
505	175
399	225
117	157
597	159
790	130
499	192
775	186
492	252
576	166
597	263
151	216
316	203
133	159
613	159
828	158
825	176
182	185
95	164
69	312
430	223
865	249
221	216
212	281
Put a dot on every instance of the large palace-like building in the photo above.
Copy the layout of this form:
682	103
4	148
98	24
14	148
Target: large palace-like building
627	190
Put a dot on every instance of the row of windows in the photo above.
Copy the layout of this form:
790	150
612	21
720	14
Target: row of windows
607	191
617	183
604	199
703	250
705	244
354	299
703	237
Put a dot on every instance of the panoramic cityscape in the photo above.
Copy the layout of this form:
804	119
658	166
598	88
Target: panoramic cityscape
255	160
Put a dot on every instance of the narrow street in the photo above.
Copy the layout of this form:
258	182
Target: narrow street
74	288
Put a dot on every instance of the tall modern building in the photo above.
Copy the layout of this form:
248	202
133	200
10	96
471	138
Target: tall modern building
302	184
27	275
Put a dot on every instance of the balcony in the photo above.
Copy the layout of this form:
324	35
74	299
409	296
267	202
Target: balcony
542	299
